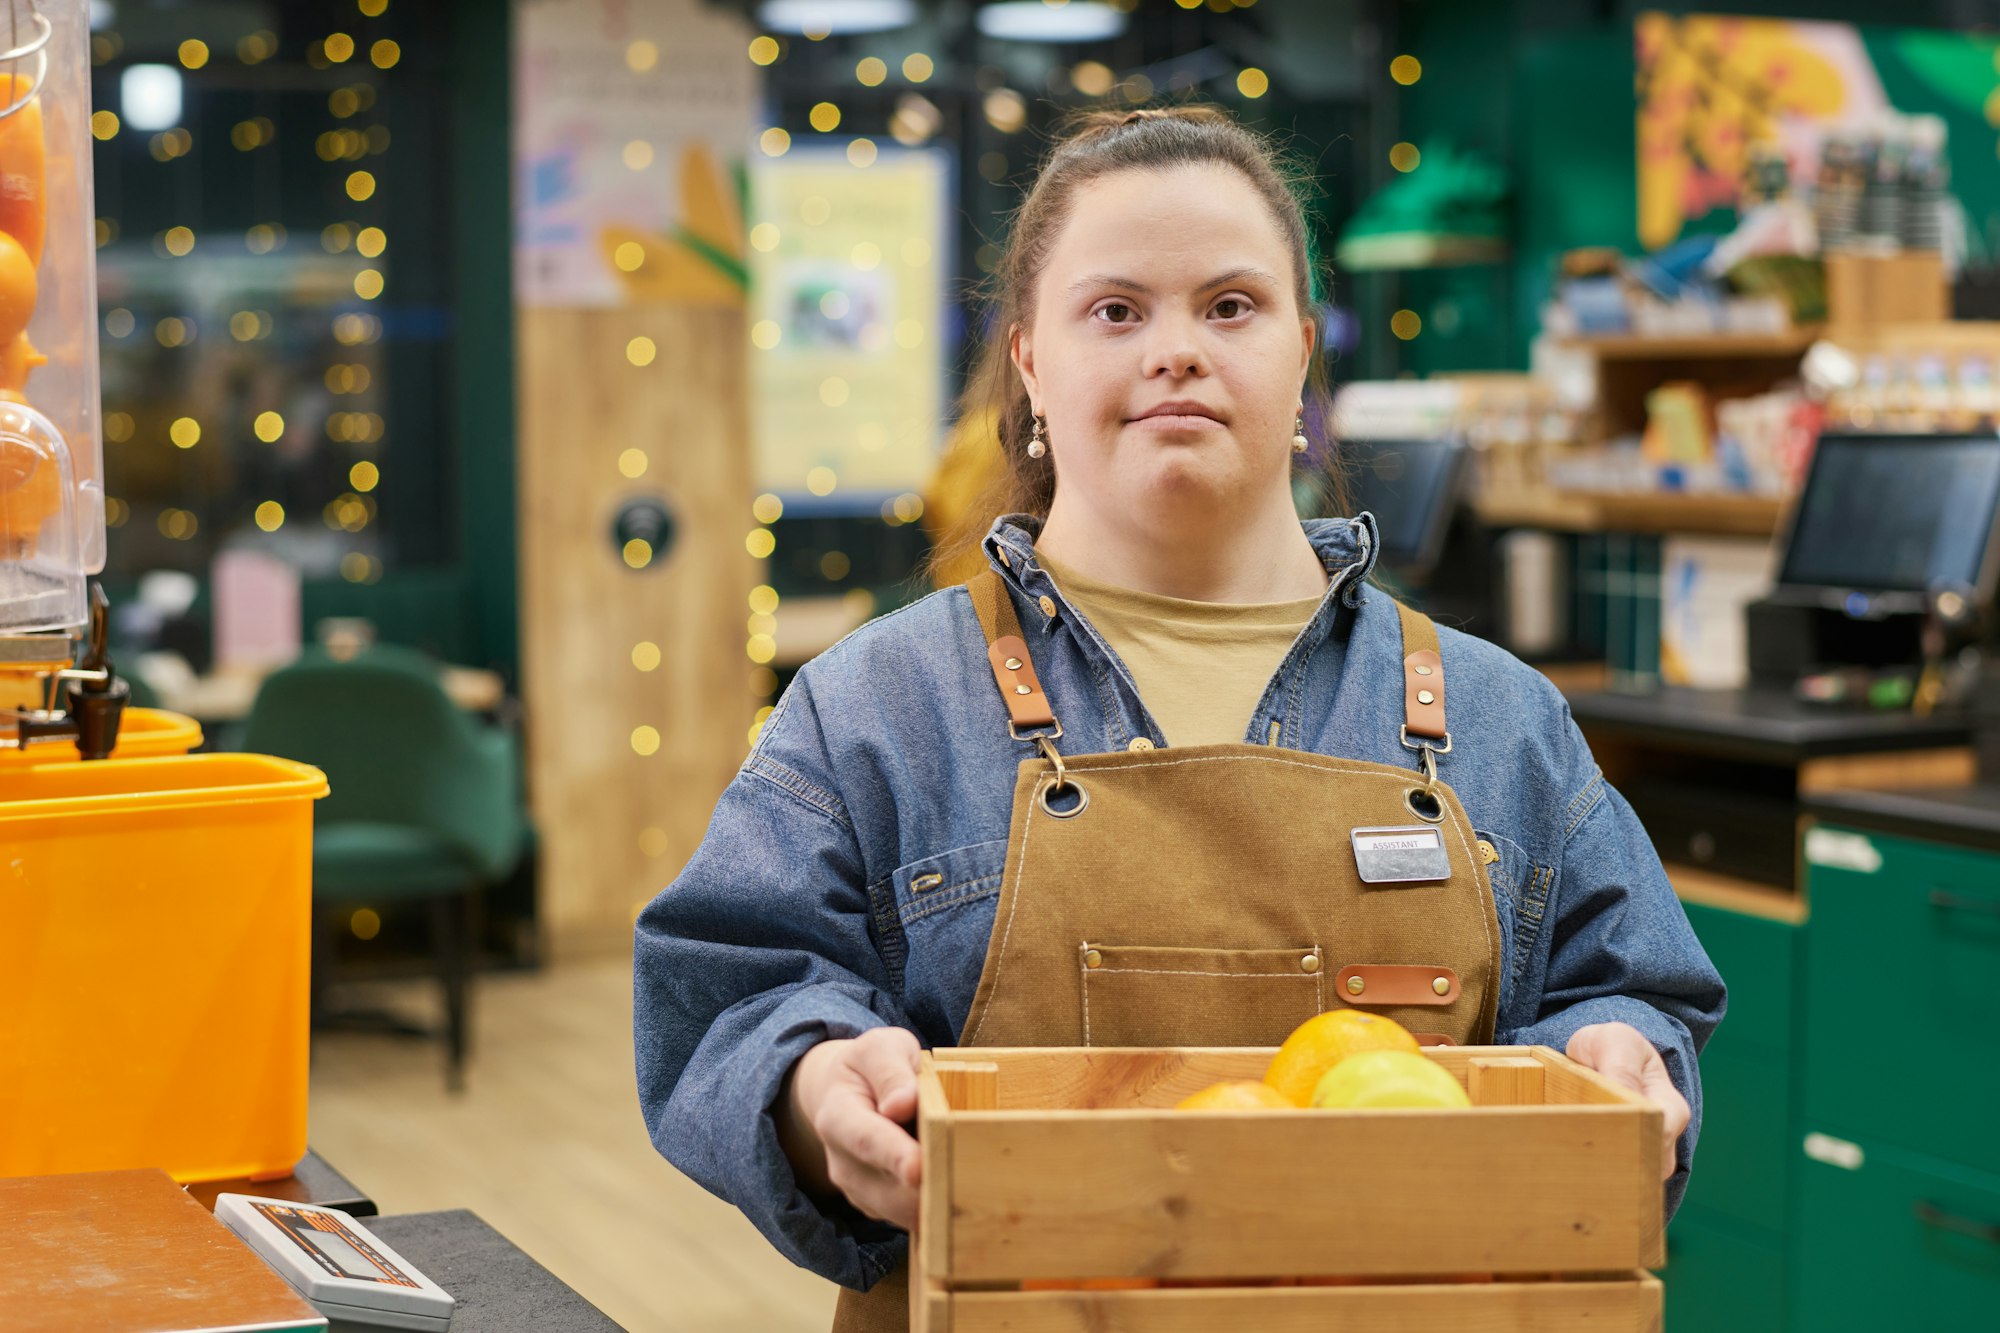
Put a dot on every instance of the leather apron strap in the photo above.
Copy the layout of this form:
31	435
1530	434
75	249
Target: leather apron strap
1007	653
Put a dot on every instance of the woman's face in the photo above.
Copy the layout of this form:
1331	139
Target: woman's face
1167	351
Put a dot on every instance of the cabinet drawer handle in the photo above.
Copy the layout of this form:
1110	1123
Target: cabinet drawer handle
1933	1216
1958	902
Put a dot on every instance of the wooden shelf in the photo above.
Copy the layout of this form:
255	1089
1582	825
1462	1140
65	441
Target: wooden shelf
1644	512
1698	346
1736	895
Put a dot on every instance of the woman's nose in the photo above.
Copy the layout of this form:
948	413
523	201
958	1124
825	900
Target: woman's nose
1174	350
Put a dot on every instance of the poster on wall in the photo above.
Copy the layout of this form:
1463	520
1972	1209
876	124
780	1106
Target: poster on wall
1712	88
629	127
847	305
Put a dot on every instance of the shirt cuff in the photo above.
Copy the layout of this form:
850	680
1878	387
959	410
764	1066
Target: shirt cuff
721	1110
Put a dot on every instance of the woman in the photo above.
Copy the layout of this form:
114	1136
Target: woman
1165	772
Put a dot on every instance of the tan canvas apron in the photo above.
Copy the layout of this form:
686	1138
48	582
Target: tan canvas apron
1210	896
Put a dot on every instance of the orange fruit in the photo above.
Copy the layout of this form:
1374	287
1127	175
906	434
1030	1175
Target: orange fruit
1323	1041
1239	1095
1375	1079
18	288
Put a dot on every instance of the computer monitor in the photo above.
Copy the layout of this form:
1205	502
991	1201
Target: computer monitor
1412	487
1883	521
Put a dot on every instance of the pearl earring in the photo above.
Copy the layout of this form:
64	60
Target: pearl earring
1299	435
1037	446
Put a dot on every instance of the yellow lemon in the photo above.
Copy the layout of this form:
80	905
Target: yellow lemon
1323	1041
1239	1095
1388	1078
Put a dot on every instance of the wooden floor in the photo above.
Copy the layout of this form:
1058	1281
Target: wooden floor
548	1146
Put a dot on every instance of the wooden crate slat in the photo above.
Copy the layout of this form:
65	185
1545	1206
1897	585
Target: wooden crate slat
1269	1194
1627	1306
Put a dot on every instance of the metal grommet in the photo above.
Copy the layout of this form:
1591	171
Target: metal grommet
1140	743
1022	689
1013	664
1355	985
1423	671
1426	697
1082	799
1441	986
1310	963
1424	804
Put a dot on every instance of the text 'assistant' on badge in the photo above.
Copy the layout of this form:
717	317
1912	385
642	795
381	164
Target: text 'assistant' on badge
1413	855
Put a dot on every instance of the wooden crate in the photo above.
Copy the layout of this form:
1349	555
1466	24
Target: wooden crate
1536	1210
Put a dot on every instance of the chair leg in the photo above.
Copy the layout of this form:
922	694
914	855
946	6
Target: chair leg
449	920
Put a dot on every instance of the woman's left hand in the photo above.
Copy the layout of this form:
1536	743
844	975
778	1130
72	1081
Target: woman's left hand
1621	1052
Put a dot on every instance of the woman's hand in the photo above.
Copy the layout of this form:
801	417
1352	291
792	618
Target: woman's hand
842	1122
1621	1053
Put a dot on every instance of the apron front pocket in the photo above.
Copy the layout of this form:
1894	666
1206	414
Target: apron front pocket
1139	995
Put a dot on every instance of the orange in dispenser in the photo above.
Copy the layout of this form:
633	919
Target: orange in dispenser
30	491
24	196
18	289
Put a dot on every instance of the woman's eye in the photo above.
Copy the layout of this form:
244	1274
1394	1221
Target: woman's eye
1229	307
1115	312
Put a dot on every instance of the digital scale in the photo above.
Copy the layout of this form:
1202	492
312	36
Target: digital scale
332	1261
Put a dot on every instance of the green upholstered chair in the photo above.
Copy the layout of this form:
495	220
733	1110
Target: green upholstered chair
424	804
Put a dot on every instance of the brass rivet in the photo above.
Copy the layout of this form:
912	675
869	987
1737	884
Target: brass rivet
1423	671
1310	963
1487	856
1442	985
1426	697
1013	664
1092	958
1048	605
1022	689
1355	985
1140	743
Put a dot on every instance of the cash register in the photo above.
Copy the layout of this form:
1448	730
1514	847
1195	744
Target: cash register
1862	662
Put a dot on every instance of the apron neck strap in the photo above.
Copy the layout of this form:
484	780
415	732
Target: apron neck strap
1007	653
1423	684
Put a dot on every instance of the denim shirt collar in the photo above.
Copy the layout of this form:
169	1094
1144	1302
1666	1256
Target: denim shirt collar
1347	547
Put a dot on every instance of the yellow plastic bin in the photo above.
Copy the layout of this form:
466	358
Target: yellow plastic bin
143	733
155	943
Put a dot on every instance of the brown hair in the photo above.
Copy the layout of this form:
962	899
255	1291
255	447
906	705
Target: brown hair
1094	144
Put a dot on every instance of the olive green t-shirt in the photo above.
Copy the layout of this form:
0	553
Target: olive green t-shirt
1200	667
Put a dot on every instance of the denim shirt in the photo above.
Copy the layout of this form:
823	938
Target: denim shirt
888	762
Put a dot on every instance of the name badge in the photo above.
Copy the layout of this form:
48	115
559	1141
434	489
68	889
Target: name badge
1411	855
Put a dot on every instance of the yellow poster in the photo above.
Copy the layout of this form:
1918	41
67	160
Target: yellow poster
847	304
1710	88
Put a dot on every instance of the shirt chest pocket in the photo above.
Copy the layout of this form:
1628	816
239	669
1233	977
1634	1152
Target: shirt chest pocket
938	911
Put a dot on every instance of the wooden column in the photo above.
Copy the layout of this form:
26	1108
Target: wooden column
616	825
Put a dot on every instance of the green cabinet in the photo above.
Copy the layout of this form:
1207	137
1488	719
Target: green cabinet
1726	1247
1893	1239
1721	1278
1902	996
1742	1161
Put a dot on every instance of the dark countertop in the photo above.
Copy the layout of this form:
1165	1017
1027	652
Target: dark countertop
497	1287
1761	726
311	1181
1965	816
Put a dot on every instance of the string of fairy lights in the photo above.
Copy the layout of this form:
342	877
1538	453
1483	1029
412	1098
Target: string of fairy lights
346	145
